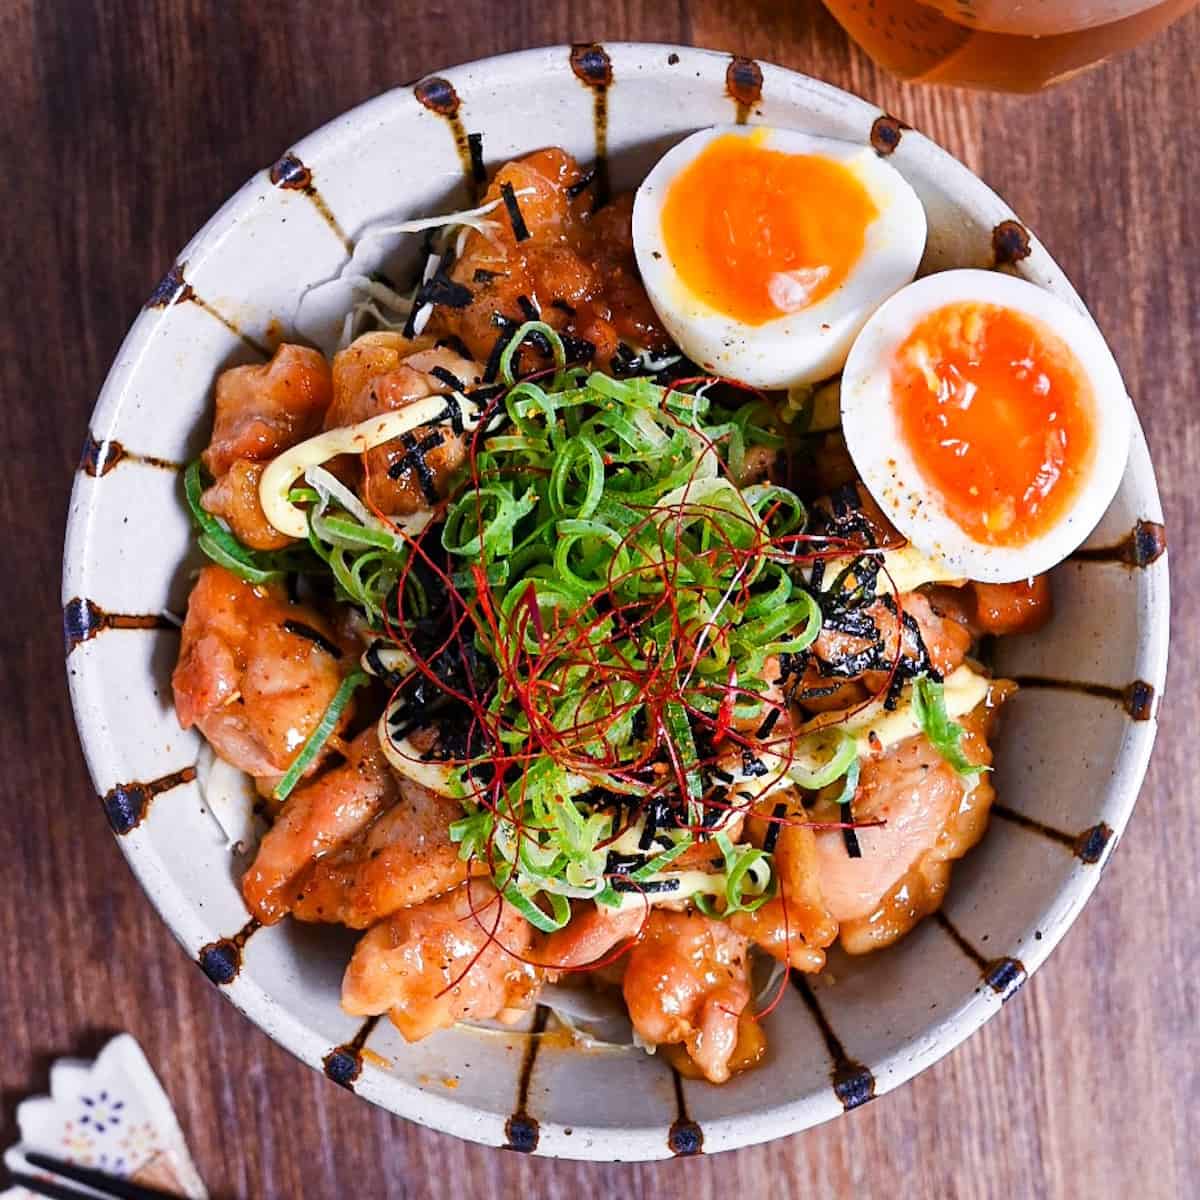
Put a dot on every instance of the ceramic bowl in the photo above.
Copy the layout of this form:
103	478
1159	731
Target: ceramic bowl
1071	755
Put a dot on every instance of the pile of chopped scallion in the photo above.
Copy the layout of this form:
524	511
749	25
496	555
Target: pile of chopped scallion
630	601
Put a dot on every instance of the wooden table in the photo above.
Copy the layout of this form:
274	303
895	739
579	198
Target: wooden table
122	126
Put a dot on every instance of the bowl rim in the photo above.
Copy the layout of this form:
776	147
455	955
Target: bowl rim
444	1113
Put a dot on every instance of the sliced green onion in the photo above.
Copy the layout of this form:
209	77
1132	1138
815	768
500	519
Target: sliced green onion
216	540
680	731
660	862
815	764
601	518
929	708
537	917
316	740
520	336
216	550
745	866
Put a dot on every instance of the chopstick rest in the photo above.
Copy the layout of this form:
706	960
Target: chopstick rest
111	1116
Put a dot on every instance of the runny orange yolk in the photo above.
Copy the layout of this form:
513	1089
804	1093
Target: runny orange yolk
998	414
757	234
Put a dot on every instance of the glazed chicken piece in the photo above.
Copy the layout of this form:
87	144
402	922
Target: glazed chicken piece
795	925
234	498
447	960
591	934
933	816
255	672
382	372
575	270
261	411
403	858
316	819
998	609
946	640
385	370
829	681
687	982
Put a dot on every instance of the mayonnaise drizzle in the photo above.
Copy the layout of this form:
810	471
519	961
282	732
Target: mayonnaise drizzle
281	475
904	570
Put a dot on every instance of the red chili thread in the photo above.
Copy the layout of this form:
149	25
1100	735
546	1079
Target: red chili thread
570	641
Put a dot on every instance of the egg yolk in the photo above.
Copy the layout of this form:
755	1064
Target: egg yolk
758	234
998	414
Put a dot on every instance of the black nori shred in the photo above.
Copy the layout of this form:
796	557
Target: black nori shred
410	322
661	813
453	413
649	887
483	275
459	735
563	306
528	308
400	726
855	622
448	377
519	228
578	350
752	767
453	660
492	367
482	396
792	662
649	830
723	776
840	596
414	459
582	184
623	864
391	679
625	362
300	629
850	836
453	342
846	520
439	288
772	834
535	338
767	727
853	665
475	145
914	656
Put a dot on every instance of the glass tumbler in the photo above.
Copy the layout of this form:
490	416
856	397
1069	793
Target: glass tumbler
1006	45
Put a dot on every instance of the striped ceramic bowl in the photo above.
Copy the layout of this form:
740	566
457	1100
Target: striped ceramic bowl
1072	754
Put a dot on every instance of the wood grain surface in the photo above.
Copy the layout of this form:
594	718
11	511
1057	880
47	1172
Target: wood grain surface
123	125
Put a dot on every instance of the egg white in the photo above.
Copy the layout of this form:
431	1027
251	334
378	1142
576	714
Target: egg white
802	346
871	426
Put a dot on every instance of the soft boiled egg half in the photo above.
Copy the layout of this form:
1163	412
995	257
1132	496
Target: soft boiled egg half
764	251
988	419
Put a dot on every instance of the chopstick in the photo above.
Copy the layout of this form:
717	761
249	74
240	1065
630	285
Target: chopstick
43	1187
98	1181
